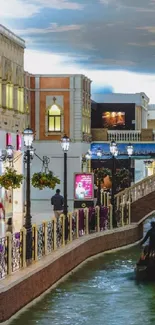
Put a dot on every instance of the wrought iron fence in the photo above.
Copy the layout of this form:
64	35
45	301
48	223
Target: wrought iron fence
59	232
3	257
17	245
50	236
40	241
74	224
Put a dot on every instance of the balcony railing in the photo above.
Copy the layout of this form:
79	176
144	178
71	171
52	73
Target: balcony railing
125	136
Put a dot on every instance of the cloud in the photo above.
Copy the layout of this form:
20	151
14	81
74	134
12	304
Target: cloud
60	4
53	28
114	63
29	8
118	81
149	29
18	9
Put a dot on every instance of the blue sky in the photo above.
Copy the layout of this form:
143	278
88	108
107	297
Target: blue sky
111	41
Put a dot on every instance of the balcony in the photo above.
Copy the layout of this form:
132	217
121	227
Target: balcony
125	136
144	135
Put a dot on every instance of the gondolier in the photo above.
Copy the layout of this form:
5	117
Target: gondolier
151	236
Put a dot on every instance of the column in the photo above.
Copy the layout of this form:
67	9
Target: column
15	98
4	94
144	118
18	197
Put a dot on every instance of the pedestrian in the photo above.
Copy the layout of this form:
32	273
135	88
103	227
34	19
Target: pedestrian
9	225
57	201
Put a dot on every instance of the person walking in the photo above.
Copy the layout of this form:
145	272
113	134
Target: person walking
57	201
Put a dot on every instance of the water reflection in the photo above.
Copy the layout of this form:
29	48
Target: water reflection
104	291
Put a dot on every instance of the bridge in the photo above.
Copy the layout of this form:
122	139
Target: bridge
140	197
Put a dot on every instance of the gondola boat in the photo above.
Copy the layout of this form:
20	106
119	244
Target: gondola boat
145	268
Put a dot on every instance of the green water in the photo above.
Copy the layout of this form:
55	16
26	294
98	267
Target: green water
103	292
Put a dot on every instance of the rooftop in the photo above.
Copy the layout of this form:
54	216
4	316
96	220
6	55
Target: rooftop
13	37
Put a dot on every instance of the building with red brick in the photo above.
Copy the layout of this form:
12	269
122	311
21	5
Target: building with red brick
59	104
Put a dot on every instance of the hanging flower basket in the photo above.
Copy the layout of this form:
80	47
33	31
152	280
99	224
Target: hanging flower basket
10	179
43	179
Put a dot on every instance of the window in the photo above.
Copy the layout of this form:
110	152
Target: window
54	119
9	96
20	100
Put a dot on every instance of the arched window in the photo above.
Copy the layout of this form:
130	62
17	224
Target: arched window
54	118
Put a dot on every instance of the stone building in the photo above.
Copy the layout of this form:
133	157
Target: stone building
60	104
13	104
14	116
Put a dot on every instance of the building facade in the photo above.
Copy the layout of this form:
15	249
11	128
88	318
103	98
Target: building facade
14	111
123	118
60	104
14	115
134	109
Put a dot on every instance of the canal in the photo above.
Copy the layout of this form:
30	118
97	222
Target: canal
103	291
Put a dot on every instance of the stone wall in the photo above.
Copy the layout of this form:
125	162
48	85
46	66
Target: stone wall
26	285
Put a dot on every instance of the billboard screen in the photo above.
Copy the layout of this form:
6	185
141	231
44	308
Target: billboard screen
84	186
111	119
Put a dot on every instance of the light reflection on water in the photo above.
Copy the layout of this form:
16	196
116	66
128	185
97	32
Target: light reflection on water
104	291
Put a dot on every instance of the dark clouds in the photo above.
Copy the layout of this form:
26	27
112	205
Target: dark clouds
105	34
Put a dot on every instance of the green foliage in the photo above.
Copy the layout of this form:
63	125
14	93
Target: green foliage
43	180
10	179
122	176
101	173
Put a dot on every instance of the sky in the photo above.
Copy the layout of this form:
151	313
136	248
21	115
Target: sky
112	42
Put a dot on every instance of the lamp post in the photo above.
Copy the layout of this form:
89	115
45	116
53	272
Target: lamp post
85	159
99	155
130	153
114	153
28	140
9	153
65	142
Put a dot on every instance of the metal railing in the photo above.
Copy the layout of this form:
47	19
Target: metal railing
136	191
50	236
124	135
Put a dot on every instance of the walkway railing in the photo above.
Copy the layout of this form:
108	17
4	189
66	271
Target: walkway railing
50	236
136	191
125	136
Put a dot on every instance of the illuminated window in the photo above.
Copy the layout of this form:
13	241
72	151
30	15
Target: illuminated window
54	119
20	100
9	96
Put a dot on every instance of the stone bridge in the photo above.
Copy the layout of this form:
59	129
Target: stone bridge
141	197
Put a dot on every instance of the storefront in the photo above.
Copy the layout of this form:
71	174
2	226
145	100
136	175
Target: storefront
142	161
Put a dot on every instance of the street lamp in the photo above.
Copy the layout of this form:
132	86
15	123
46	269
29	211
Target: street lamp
85	159
28	140
99	155
130	153
114	153
65	142
88	155
9	152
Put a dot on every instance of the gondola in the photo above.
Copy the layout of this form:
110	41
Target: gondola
145	267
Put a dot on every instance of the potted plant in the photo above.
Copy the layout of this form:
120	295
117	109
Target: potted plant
10	179
42	180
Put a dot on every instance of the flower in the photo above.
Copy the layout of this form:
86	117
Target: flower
10	179
42	180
